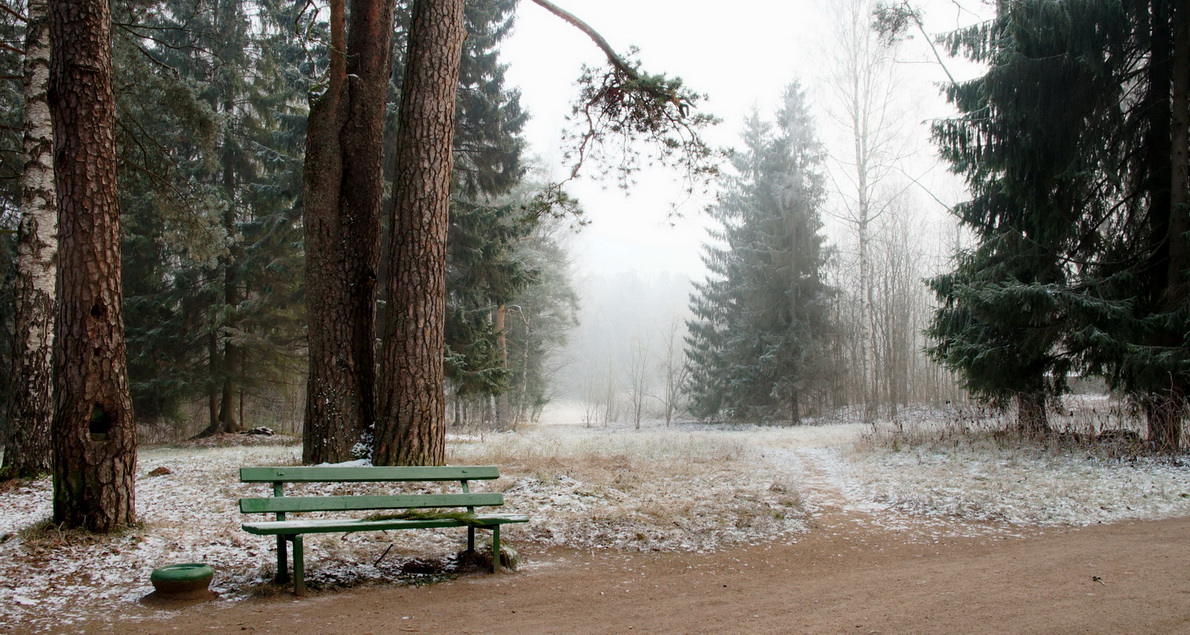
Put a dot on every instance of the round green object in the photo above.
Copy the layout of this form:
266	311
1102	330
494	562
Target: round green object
182	581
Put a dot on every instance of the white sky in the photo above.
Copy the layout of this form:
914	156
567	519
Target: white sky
740	53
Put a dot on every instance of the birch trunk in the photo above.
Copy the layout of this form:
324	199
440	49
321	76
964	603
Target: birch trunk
27	446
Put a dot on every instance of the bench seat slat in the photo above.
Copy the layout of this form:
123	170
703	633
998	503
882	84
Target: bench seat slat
343	503
317	526
315	474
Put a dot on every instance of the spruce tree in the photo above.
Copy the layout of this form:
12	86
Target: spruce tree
1023	143
210	143
483	273
756	344
1075	146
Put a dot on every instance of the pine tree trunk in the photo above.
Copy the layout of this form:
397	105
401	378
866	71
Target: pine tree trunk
344	191
411	423
27	446
233	353
94	431
333	413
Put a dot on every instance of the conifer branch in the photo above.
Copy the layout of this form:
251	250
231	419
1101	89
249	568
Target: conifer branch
13	12
612	57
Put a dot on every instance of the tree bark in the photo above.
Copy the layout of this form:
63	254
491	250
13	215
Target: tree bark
94	432
344	189
227	366
1166	417
795	407
1031	417
27	446
411	423
1167	227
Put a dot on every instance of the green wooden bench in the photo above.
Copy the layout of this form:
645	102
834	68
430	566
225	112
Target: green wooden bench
288	530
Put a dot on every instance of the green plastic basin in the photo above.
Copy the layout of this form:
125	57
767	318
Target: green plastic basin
183	581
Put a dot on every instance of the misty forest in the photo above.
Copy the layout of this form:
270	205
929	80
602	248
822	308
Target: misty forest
934	325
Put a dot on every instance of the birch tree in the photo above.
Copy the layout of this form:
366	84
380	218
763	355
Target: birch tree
27	447
863	81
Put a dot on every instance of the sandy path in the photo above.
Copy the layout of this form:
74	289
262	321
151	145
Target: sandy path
858	571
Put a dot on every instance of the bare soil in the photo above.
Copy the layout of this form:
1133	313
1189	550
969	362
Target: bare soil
847	575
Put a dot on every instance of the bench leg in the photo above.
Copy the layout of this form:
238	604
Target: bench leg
282	576
470	539
299	566
496	549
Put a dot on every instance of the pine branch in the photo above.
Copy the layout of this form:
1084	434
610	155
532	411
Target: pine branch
4	8
612	57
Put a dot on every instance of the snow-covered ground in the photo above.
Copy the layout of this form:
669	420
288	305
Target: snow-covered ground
1023	486
688	487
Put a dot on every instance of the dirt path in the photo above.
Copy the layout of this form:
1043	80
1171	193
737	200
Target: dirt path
857	571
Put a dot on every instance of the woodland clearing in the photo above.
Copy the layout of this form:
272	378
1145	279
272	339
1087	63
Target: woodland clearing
634	512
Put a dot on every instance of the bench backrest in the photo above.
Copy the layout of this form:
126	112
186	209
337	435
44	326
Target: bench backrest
280	504
334	474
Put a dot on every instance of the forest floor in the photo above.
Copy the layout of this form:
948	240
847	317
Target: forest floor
851	528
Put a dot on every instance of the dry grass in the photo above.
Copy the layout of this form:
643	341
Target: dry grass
656	490
617	457
1089	426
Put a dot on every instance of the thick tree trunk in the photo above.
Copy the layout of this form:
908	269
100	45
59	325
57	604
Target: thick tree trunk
344	192
27	446
1165	426
94	430
1031	417
1168	225
333	415
411	426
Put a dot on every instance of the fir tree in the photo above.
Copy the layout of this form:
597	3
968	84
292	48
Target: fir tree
212	135
760	326
1021	141
1075	146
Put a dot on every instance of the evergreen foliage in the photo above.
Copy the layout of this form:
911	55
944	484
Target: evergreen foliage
211	141
1022	143
759	331
483	274
494	271
540	317
1070	145
11	117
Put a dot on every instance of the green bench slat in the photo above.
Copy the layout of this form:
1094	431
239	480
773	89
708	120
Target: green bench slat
342	503
314	474
319	526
